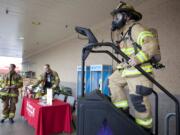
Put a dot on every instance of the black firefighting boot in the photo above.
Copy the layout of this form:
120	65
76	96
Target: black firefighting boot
2	120
149	130
11	120
126	111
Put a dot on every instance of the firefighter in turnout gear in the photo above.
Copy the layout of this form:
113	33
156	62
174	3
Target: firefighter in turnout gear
132	35
1	93
49	79
11	82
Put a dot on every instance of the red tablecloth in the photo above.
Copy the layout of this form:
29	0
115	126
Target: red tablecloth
47	119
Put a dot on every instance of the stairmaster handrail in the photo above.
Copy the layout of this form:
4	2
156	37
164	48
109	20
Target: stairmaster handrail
108	44
166	124
156	124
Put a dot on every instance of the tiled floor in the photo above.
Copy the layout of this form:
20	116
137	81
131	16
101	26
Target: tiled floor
20	127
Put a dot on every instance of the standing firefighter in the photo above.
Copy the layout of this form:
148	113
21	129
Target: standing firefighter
49	79
11	82
140	45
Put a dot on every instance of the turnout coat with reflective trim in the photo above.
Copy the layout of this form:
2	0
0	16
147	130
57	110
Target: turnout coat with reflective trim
16	81
54	80
146	40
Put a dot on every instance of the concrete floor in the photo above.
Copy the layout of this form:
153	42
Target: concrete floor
20	127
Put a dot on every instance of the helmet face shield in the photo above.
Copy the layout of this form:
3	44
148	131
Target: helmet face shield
119	21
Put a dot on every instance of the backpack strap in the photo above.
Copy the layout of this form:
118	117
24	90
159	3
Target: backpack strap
135	45
123	37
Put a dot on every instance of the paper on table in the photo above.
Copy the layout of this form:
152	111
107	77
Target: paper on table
42	104
49	96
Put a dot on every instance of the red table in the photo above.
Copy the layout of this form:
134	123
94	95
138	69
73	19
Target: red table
47	119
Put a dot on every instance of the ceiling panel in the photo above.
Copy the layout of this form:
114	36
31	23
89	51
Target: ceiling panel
42	23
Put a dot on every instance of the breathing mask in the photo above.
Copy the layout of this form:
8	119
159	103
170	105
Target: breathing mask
119	21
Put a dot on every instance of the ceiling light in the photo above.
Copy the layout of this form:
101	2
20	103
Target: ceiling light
36	23
21	38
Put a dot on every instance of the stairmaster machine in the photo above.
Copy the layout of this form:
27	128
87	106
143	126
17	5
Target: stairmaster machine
96	115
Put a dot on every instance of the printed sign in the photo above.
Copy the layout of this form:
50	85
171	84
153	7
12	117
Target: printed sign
30	109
